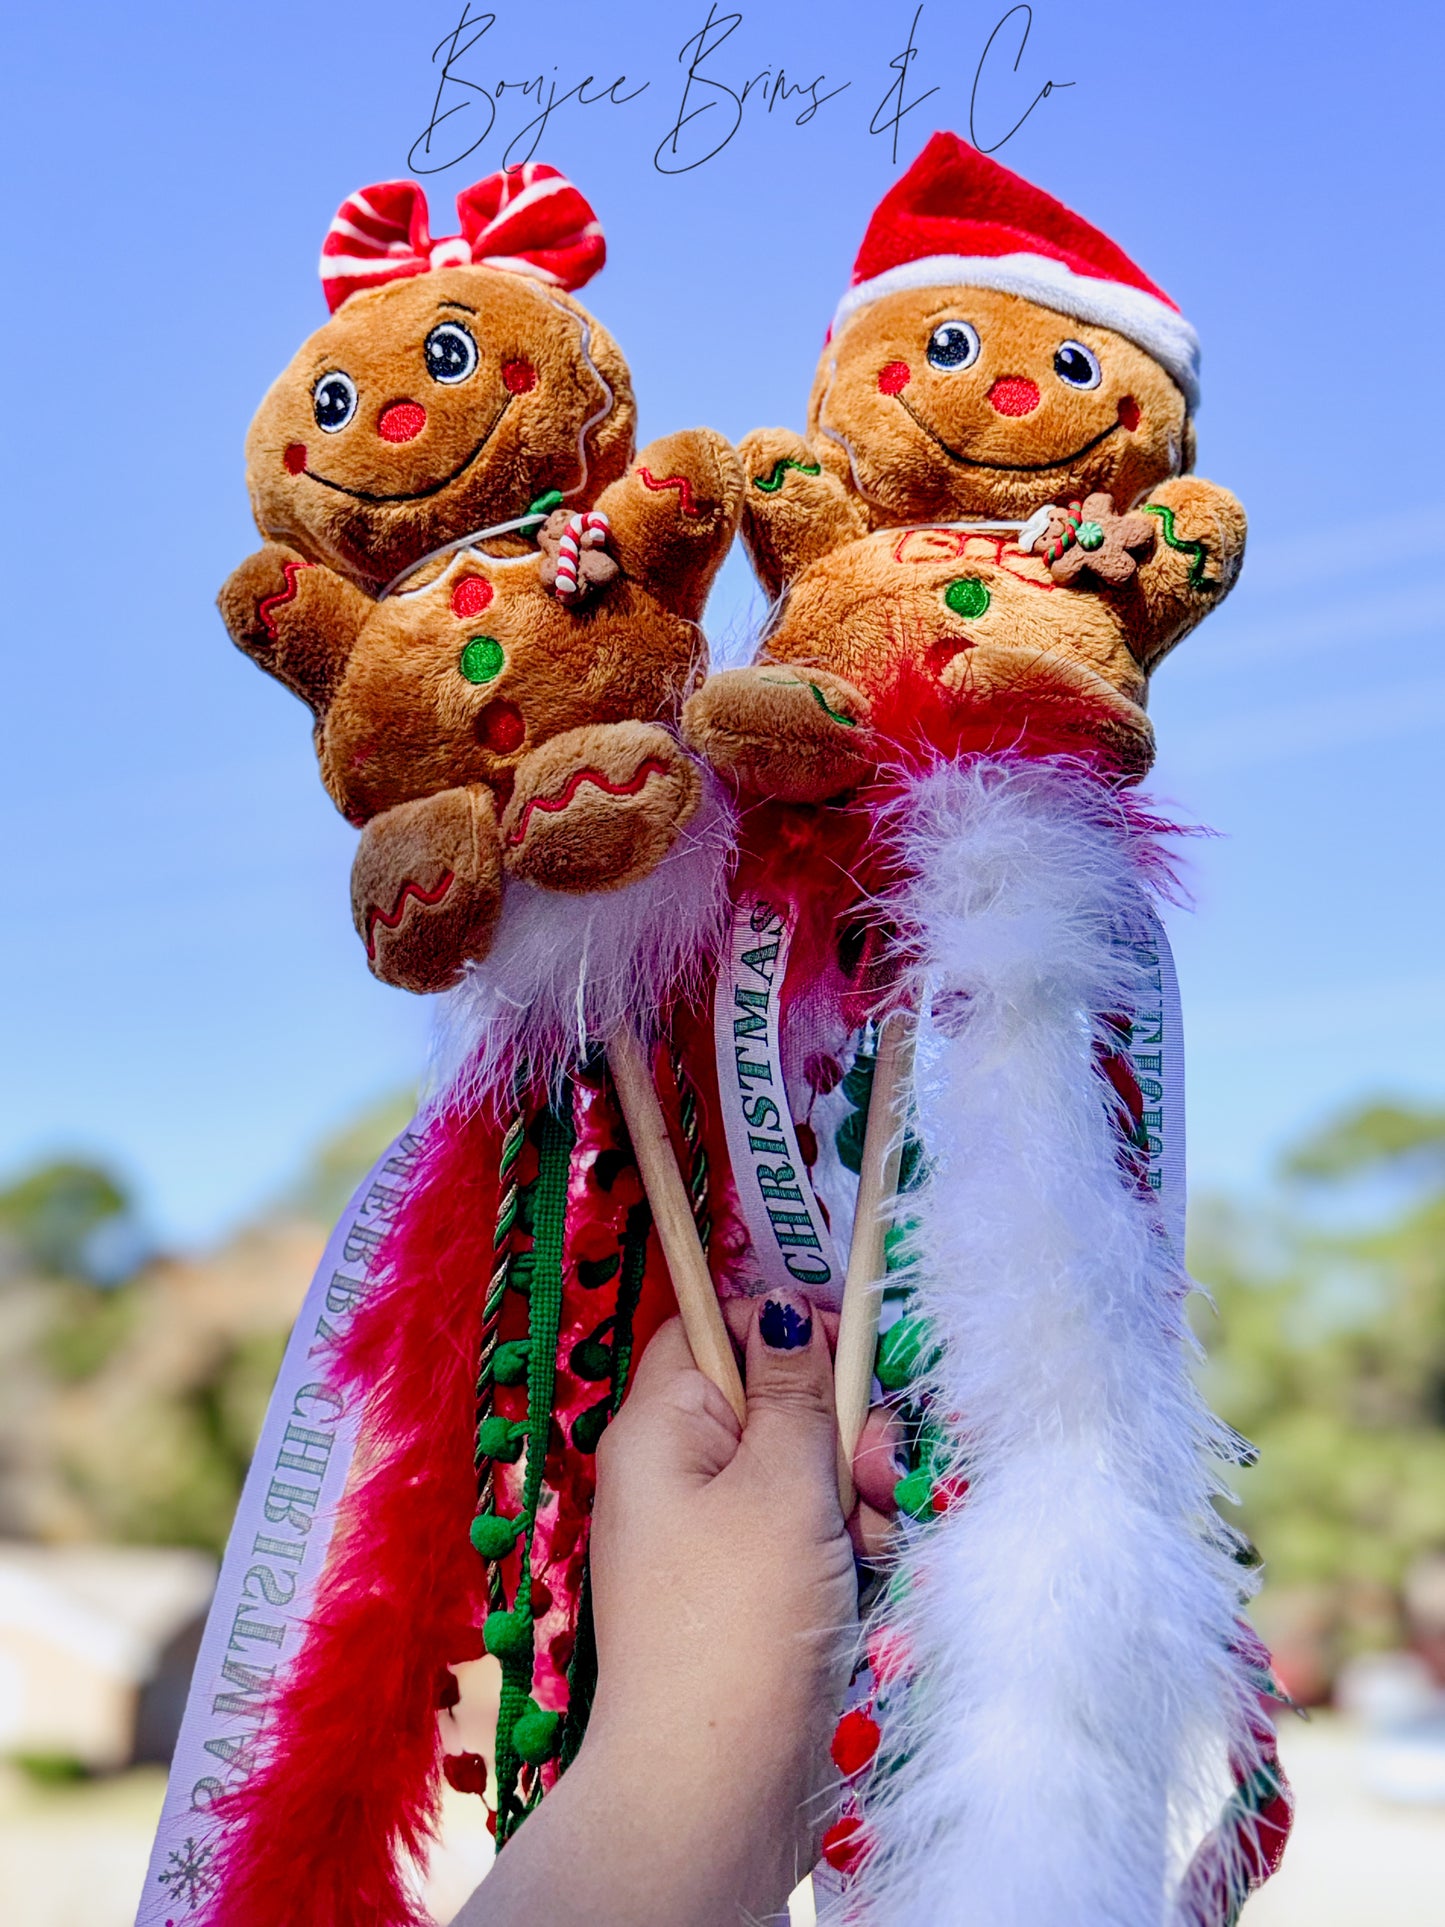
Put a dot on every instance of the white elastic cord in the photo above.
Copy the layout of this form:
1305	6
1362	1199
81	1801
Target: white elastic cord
532	520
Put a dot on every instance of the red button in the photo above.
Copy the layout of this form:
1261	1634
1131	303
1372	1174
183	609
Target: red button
500	727
471	596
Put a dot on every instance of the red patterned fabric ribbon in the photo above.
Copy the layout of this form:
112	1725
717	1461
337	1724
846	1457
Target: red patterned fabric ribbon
527	220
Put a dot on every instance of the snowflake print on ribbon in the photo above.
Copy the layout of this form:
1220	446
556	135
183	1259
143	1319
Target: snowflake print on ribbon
188	1877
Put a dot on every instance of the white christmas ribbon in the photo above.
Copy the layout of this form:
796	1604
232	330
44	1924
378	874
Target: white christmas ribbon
791	1246
274	1556
1156	1053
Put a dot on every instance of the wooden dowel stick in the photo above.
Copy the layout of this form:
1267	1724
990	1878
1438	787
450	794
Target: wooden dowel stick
863	1282
702	1318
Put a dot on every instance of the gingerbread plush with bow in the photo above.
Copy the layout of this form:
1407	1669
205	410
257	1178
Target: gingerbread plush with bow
484	706
990	513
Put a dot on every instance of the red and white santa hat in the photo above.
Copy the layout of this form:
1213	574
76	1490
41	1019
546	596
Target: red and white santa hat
959	219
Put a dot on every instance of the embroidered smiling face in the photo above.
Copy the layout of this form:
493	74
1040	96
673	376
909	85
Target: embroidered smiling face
431	407
948	403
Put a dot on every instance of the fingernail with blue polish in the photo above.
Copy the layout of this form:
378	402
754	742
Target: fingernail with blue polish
785	1327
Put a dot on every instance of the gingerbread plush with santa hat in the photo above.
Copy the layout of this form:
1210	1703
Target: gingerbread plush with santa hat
488	604
991	510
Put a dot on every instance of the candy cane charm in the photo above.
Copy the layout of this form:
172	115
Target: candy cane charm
588	530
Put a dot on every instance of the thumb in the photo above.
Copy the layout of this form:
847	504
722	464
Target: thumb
789	1382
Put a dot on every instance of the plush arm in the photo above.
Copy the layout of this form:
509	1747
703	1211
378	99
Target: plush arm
297	619
1197	554
793	510
673	517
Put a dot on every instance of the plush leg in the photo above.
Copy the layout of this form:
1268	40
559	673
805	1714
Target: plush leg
598	807
801	735
426	887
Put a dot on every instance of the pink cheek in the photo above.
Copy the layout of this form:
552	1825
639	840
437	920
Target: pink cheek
1129	414
294	459
893	379
519	376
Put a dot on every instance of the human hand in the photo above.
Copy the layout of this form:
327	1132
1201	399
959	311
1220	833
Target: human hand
725	1601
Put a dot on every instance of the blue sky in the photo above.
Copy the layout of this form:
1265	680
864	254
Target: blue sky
182	991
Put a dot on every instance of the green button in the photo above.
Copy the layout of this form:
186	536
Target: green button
967	596
482	659
1089	536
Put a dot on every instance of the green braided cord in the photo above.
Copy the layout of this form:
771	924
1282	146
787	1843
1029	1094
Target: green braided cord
629	1291
492	1311
581	1679
698	1171
770	484
1196	550
555	1139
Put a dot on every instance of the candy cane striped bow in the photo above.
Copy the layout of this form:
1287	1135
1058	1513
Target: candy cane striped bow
529	220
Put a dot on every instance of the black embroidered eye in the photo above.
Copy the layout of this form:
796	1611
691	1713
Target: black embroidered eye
451	354
1077	365
333	401
953	345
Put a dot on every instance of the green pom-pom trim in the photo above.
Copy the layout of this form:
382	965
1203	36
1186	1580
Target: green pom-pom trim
501	1438
594	1273
493	1536
535	1733
904	1350
591	1360
521	1271
913	1494
508	1635
588	1426
967	596
509	1361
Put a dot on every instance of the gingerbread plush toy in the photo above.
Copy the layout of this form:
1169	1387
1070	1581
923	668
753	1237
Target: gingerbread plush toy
948	997
489	607
991	503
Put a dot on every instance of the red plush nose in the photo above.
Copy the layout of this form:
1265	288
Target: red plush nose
1014	395
401	421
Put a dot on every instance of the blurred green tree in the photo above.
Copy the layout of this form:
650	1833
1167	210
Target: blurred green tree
64	1219
1329	1353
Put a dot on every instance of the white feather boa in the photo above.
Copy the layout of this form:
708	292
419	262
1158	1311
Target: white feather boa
1077	1691
566	971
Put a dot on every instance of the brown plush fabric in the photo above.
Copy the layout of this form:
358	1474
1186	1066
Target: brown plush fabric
799	737
407	715
426	887
941	445
844	526
369	503
470	686
599	807
297	621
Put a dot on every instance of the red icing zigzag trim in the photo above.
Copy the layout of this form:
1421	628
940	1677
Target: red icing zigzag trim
408	890
554	805
679	482
267	603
